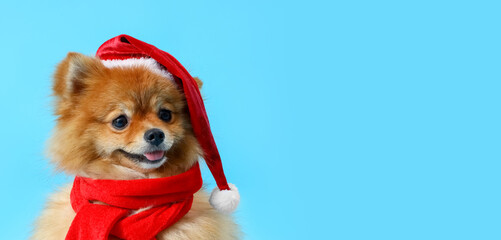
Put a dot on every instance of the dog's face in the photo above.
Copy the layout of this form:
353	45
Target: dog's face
119	123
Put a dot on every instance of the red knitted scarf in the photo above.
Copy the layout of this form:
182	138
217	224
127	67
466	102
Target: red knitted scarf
167	199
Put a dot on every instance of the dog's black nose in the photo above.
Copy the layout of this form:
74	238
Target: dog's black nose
154	136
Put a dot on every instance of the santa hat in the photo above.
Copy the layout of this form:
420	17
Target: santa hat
124	51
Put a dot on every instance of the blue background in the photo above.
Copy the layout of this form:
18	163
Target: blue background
336	119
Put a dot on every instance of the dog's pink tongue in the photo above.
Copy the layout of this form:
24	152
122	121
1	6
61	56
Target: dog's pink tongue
156	155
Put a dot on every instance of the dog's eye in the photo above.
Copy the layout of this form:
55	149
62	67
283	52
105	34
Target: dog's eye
165	115
120	122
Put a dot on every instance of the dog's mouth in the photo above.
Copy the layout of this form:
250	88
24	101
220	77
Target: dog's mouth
154	157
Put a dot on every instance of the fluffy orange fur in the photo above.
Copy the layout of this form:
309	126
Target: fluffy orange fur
89	97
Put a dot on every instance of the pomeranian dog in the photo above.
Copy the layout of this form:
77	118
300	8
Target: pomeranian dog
124	123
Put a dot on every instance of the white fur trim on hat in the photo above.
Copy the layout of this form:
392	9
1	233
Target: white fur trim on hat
225	201
148	63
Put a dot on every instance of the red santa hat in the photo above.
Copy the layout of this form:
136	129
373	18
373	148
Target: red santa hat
124	51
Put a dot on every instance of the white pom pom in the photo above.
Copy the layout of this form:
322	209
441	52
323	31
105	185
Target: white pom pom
225	201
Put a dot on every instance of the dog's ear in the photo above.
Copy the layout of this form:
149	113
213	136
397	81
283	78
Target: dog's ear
72	74
199	82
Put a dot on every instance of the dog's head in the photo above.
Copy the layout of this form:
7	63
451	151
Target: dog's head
119	122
